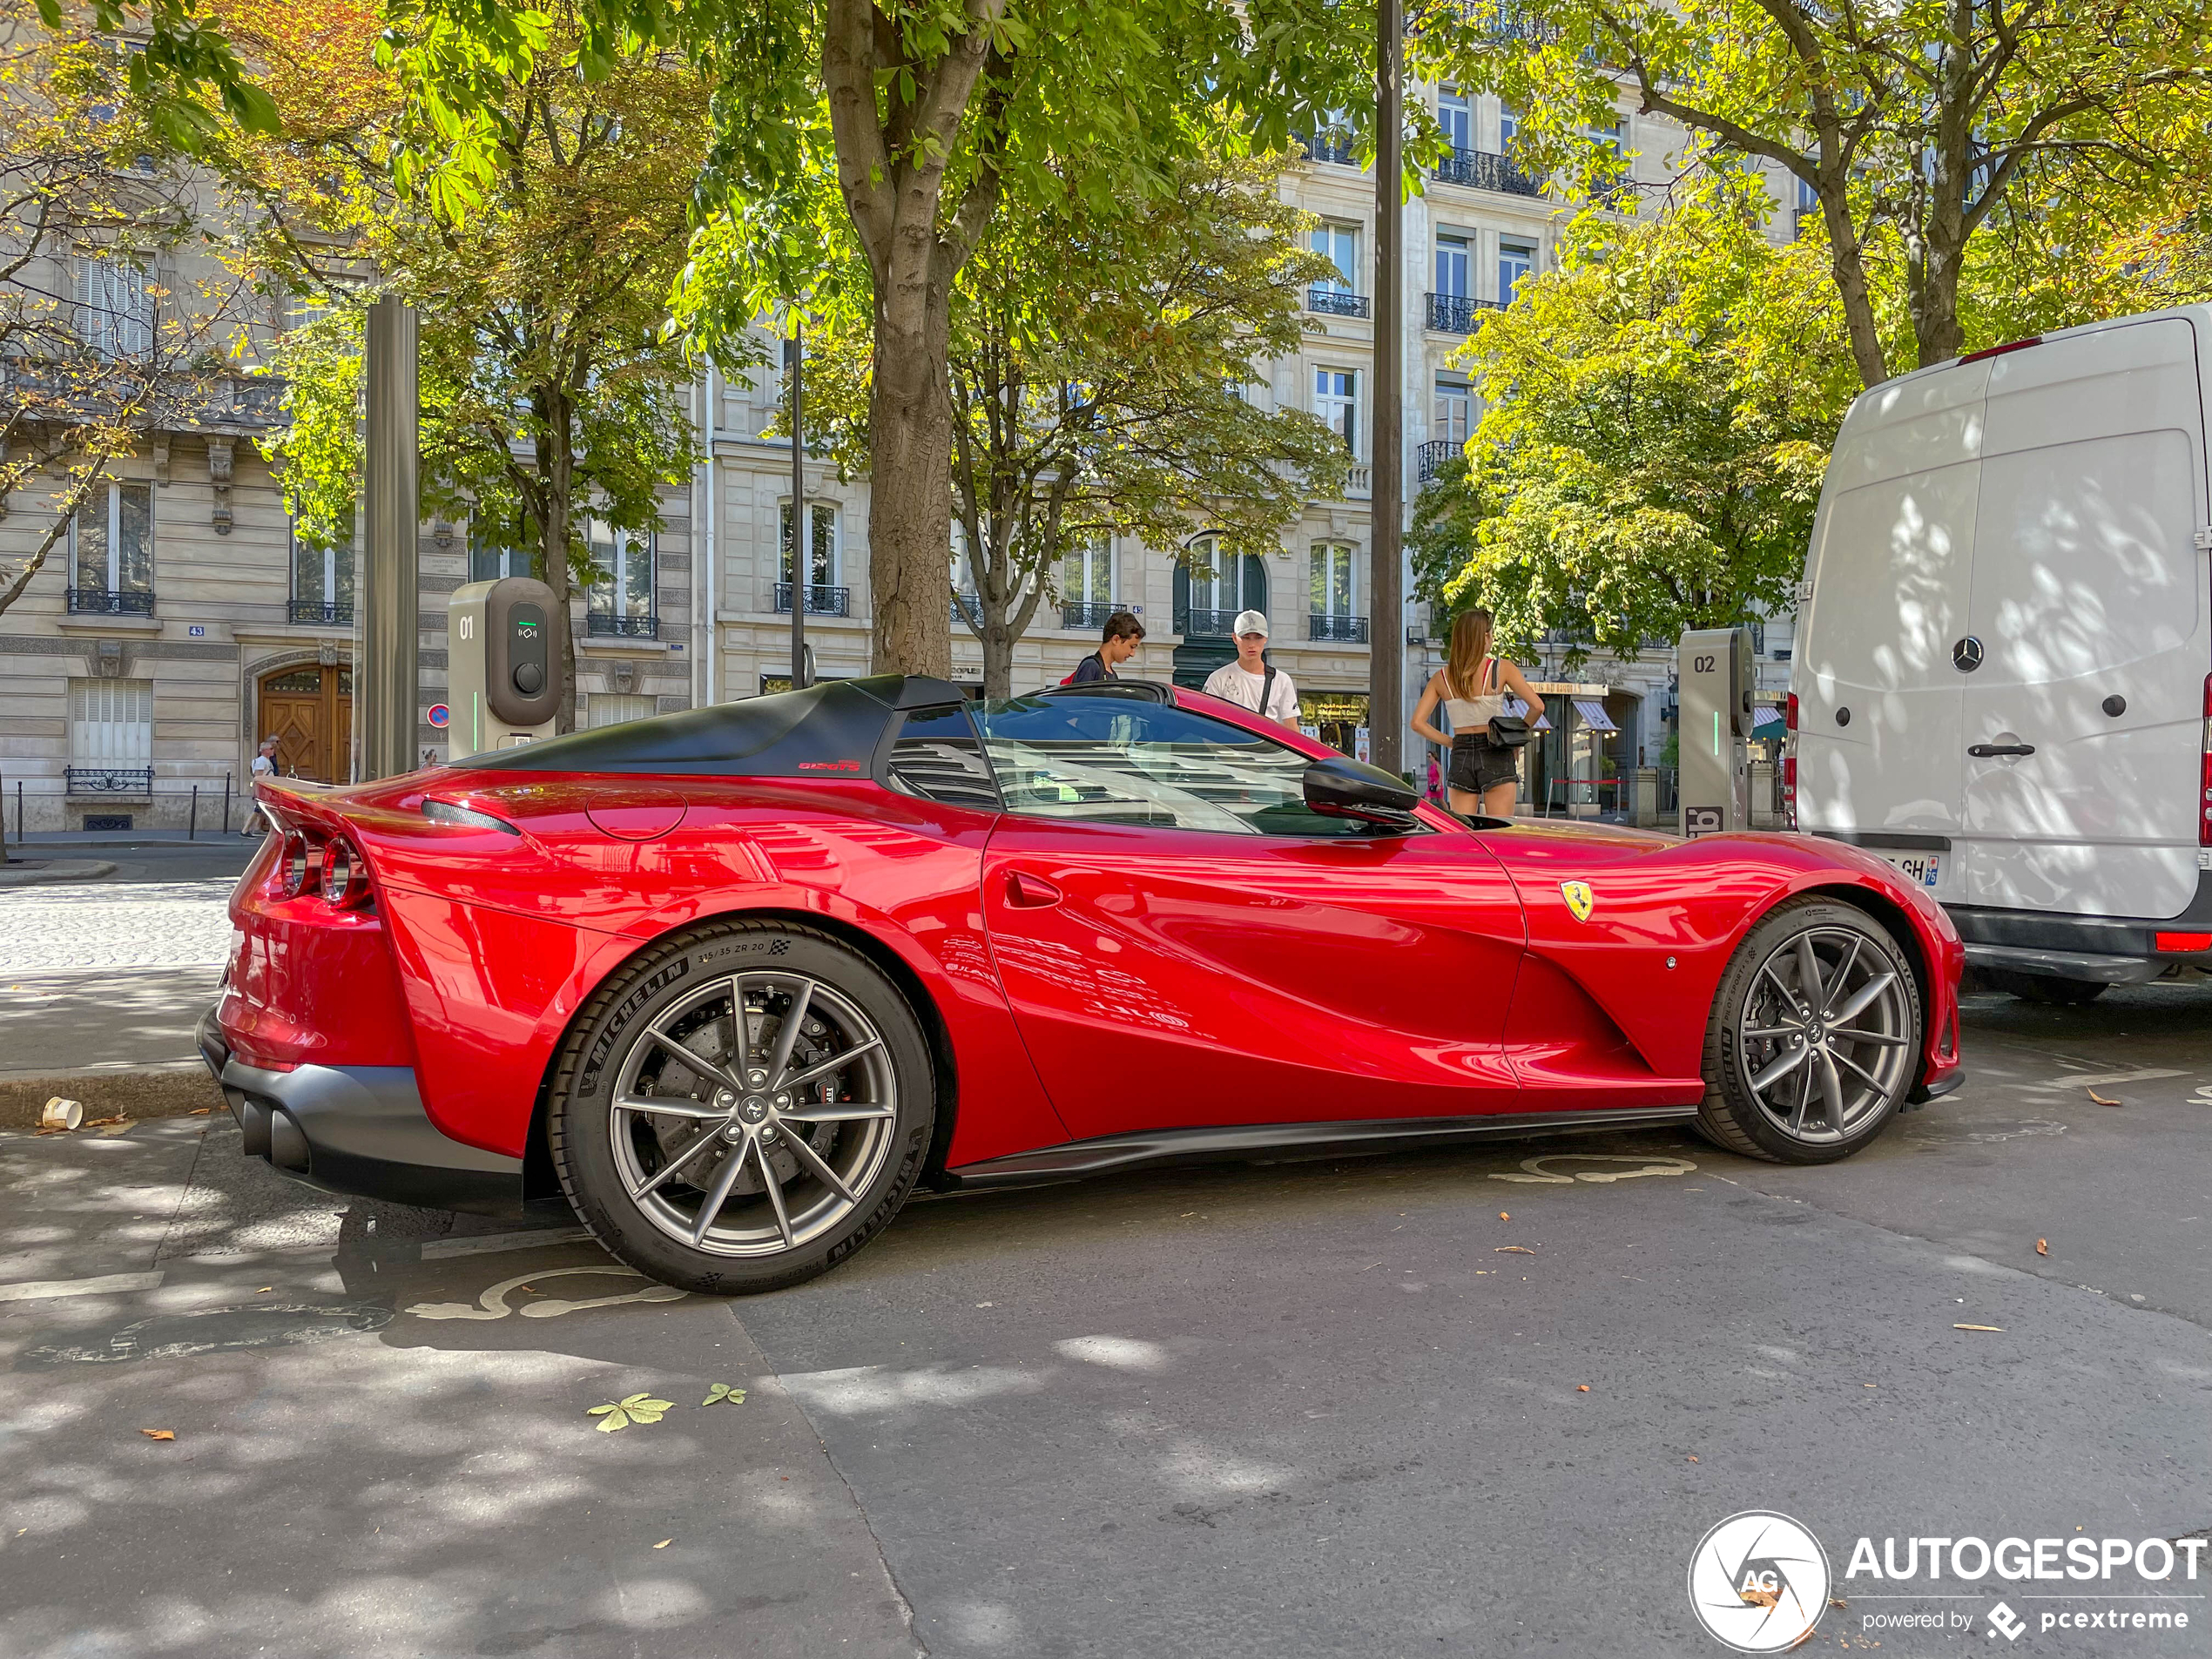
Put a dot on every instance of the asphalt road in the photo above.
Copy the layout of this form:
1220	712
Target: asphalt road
1331	1407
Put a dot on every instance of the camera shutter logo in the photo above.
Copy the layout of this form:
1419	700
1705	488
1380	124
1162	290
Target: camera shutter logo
1758	1581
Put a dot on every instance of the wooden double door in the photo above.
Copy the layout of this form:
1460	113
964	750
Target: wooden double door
309	711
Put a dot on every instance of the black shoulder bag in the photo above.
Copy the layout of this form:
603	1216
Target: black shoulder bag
1506	730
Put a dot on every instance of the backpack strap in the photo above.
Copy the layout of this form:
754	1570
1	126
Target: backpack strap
1266	690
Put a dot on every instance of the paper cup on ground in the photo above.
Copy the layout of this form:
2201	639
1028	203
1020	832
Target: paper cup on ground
62	1113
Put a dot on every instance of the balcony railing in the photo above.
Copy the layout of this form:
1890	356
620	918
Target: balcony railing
1089	613
1455	313
108	780
820	602
1429	458
1358	483
1198	624
322	613
1336	302
1480	170
110	602
1333	147
1348	629
605	624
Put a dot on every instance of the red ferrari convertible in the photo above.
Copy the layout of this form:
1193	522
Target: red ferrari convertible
731	983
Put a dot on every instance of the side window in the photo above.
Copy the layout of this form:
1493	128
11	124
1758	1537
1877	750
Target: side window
1115	760
936	756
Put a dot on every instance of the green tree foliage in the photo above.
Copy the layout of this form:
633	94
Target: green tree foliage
1100	363
552	393
1659	411
1918	127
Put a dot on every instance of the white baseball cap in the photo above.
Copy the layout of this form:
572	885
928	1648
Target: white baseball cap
1250	622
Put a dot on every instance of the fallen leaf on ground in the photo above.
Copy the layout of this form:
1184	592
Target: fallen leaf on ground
2042	1247
1977	1327
621	1413
1515	1249
199	1111
1582	1388
1502	1215
1838	1600
102	1123
158	1433
1693	1459
722	1391
1760	1598
663	1543
2102	1101
264	1290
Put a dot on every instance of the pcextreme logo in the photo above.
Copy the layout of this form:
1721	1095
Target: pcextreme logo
1758	1581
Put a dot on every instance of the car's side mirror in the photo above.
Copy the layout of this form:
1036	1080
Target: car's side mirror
1341	788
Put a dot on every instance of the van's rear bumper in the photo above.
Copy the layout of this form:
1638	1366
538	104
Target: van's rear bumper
2106	950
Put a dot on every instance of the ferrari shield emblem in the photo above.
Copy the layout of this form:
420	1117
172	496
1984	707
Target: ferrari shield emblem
1579	899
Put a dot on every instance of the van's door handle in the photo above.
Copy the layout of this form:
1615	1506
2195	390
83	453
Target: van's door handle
1991	750
1027	891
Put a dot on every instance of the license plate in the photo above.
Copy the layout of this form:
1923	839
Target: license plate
1921	868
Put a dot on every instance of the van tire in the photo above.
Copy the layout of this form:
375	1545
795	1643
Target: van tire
2044	988
1733	1115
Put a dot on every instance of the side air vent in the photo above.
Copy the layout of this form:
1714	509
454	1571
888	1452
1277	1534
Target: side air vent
938	756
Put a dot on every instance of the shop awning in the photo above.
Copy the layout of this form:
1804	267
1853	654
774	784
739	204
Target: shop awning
1766	714
1514	705
1593	714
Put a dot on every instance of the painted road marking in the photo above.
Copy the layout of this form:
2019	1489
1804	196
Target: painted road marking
105	1284
1535	1171
492	1304
2102	1079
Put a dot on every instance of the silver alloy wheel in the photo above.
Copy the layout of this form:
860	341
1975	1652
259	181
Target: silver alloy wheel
1825	1038
749	1116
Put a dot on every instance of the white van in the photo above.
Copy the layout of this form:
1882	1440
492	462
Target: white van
2002	679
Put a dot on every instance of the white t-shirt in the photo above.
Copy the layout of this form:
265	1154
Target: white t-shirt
1232	684
263	766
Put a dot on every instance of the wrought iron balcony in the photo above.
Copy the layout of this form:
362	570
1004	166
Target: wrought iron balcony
1348	629
1480	170
820	602
1336	302
110	602
1089	613
1202	624
1456	313
605	624
108	780
1429	458
1333	147
322	613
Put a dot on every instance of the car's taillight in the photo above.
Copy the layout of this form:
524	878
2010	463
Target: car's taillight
2204	774
298	866
1790	762
344	879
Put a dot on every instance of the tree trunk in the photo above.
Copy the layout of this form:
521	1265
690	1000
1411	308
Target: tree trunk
1847	259
553	528
998	651
910	458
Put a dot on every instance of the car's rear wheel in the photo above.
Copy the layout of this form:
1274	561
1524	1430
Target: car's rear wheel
1815	1037
741	1107
2044	988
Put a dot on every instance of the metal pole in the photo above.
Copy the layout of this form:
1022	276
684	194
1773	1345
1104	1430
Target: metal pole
390	622
1387	634
191	825
800	519
227	803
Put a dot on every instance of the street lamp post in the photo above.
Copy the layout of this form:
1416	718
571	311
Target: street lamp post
1387	635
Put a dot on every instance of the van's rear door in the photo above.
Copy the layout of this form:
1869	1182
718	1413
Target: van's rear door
1878	710
2087	587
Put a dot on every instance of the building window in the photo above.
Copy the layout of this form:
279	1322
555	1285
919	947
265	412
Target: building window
322	576
1341	244
1453	264
112	538
1336	402
622	575
1331	586
1457	119
821	547
114	306
497	551
110	723
1515	260
1509	128
1454	418
613	708
1087	574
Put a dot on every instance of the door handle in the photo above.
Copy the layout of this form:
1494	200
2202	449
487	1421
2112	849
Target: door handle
1990	751
1027	891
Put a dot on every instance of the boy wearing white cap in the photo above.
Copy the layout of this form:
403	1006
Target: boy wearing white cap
1250	682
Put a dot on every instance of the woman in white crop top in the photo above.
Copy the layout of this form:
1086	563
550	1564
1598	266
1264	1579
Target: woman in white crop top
1472	686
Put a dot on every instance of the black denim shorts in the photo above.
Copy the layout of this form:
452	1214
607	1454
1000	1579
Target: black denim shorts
1478	765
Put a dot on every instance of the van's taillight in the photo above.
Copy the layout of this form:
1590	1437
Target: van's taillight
1789	761
2204	774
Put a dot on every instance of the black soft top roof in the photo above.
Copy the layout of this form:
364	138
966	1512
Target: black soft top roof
825	730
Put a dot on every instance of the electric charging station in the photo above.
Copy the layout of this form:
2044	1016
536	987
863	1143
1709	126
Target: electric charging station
1714	729
504	685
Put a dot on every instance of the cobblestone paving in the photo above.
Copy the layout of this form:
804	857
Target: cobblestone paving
148	924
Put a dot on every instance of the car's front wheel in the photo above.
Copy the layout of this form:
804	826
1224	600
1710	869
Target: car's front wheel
741	1107
1815	1035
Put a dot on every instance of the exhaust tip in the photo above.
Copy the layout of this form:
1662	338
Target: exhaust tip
288	1142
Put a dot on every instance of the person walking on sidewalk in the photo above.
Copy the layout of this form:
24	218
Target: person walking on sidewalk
1122	635
265	765
1472	686
1250	682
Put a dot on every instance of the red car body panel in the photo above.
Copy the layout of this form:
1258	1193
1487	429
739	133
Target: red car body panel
1089	979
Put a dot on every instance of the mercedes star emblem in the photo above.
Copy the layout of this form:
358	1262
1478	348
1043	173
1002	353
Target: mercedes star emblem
1966	656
